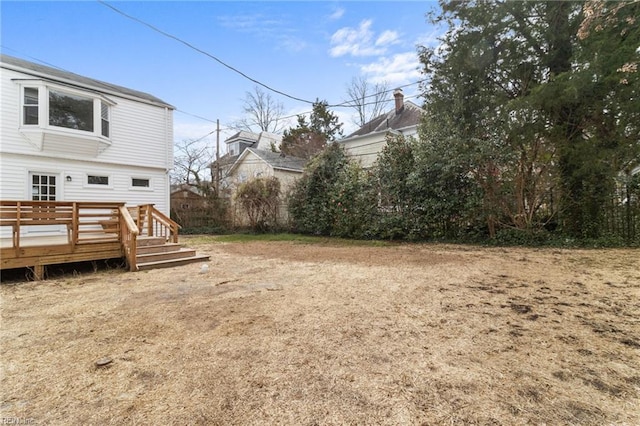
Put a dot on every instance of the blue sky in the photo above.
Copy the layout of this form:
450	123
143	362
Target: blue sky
305	49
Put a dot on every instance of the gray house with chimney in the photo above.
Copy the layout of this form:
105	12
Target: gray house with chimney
367	142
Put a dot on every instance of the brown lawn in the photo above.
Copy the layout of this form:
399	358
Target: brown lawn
331	334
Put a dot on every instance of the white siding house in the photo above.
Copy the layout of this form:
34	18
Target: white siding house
65	137
257	163
236	145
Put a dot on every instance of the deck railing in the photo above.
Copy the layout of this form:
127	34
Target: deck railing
84	222
152	222
129	237
18	215
87	223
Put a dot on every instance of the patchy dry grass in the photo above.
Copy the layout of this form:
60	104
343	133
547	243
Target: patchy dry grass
297	333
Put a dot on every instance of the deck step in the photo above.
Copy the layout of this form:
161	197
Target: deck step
162	248
150	241
171	263
174	254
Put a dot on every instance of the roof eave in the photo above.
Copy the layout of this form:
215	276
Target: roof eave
55	79
385	131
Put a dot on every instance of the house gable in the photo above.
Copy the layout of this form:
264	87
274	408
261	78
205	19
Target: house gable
366	143
84	139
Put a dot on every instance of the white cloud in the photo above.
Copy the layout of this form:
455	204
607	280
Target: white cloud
337	14
292	44
387	38
263	27
189	131
397	69
355	41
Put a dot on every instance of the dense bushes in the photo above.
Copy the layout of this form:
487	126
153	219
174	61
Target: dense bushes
412	193
259	200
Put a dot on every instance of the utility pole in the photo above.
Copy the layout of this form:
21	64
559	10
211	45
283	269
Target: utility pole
217	158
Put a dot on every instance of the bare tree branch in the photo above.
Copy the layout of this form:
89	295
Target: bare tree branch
369	100
263	113
191	163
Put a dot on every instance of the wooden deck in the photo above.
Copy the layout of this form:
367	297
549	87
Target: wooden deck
40	233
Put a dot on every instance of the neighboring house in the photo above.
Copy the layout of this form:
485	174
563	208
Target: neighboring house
368	141
185	197
236	145
259	163
190	208
65	137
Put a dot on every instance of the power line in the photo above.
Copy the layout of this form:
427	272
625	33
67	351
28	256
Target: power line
350	103
195	116
103	82
191	46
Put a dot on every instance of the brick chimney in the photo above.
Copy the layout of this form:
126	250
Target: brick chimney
399	100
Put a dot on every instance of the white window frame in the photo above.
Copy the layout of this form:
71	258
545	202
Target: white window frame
43	110
23	105
58	185
141	188
86	183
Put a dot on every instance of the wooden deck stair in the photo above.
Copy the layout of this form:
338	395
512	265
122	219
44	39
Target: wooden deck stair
155	252
87	231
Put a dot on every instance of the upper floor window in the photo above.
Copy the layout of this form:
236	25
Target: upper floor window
30	105
66	109
70	111
104	118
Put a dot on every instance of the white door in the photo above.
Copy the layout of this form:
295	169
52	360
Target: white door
44	187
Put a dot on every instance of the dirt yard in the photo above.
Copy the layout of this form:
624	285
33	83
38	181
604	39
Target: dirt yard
331	334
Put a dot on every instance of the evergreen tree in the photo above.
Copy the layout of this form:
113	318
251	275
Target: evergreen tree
537	105
309	138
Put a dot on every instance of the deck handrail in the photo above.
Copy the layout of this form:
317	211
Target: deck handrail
152	222
91	226
129	237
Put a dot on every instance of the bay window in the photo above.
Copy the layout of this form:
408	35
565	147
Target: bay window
70	111
64	108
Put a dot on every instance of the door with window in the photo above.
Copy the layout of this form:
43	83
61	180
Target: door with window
44	187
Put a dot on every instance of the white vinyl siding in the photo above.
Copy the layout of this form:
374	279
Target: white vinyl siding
140	134
14	175
140	145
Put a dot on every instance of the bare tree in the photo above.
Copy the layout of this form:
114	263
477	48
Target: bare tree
191	164
263	113
369	100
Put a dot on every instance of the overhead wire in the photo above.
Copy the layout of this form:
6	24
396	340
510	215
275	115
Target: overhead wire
191	46
197	49
347	104
105	83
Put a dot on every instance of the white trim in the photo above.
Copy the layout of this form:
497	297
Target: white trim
86	184
59	181
44	90
148	188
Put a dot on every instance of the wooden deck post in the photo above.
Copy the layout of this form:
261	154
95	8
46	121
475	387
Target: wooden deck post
74	225
38	272
150	220
17	230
